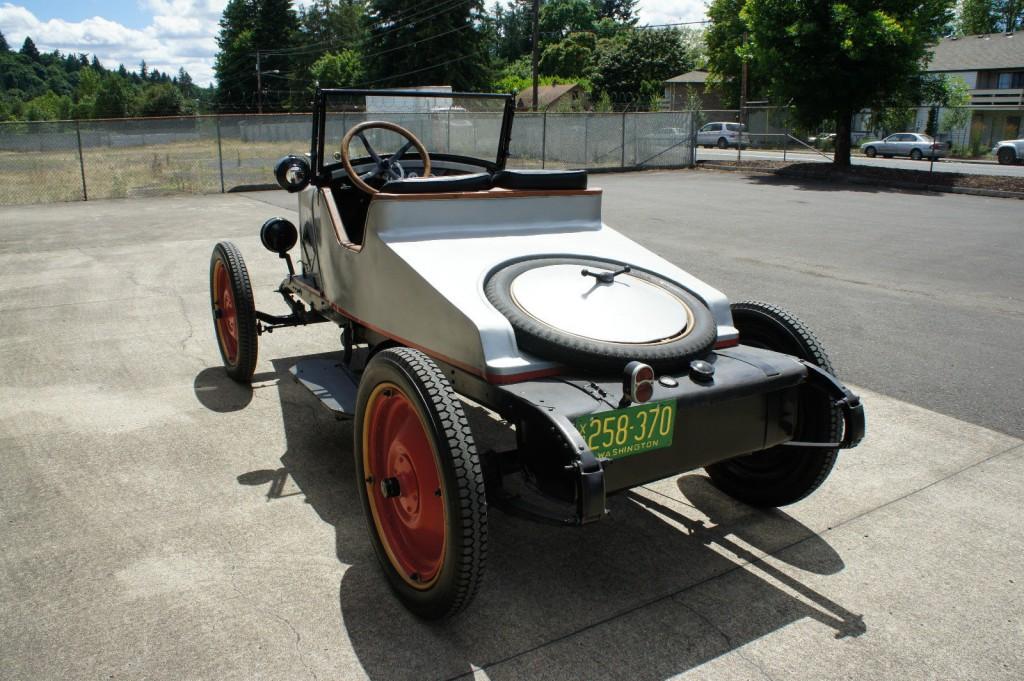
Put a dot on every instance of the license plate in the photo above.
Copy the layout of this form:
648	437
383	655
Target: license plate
624	432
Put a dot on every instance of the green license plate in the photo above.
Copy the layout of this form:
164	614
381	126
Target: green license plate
633	430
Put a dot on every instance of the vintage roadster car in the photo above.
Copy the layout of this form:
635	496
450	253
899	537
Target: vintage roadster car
457	281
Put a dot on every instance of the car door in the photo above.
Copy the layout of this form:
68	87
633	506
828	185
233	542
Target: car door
904	144
709	133
888	145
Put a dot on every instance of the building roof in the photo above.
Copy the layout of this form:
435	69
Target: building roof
690	77
546	95
979	52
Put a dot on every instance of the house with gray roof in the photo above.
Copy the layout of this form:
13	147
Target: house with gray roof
992	65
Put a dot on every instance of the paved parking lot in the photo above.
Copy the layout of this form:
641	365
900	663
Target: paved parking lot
160	522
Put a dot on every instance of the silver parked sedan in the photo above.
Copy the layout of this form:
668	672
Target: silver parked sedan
912	144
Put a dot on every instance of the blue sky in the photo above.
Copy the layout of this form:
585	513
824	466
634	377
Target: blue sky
173	34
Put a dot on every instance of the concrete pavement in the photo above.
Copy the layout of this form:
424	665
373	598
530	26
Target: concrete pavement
161	522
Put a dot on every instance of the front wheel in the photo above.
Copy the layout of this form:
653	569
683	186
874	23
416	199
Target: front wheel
870	152
1006	156
723	143
782	475
234	312
420	483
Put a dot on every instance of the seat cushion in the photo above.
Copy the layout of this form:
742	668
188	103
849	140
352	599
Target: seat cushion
541	179
434	185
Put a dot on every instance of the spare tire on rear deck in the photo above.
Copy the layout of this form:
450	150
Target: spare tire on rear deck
562	311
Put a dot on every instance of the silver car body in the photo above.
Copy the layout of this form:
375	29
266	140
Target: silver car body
712	134
419	275
1016	146
905	144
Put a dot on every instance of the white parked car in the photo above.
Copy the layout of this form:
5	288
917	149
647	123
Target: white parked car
723	135
1009	151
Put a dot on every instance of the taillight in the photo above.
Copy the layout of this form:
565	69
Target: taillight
638	382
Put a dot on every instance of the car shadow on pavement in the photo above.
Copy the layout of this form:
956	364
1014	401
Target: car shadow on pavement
656	588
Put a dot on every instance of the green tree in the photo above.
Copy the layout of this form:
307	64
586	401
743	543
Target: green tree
559	18
48	107
621	11
632	67
513	28
114	98
977	16
570	57
957	114
161	99
4	47
343	69
414	43
832	59
235	64
28	48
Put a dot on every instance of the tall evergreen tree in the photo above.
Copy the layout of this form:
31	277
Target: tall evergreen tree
3	43
29	49
415	43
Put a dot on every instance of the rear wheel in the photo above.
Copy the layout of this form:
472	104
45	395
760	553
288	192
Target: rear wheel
420	483
1006	156
782	475
870	152
234	312
915	154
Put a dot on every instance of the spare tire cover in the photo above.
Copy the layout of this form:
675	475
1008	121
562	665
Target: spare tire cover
559	313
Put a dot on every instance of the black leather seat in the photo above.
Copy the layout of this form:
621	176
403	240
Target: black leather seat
541	179
435	185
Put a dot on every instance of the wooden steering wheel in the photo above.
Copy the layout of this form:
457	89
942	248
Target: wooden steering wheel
388	165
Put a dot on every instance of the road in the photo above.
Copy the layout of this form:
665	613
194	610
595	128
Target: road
946	166
162	522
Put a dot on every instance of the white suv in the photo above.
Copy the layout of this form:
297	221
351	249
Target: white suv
723	135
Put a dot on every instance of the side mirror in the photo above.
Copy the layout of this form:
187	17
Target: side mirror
292	173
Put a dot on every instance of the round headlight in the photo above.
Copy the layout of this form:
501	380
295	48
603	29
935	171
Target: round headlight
292	173
278	235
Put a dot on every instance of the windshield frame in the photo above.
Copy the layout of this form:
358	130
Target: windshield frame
323	95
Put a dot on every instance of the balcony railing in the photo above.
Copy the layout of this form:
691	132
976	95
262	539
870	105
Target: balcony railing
997	98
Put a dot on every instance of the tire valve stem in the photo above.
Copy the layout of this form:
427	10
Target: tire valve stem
369	480
387	392
415	576
437	492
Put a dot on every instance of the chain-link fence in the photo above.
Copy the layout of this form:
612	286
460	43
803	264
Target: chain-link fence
43	162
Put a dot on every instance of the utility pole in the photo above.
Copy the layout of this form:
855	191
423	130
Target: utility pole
536	51
743	103
259	83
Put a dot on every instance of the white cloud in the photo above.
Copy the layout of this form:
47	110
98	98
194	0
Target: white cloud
654	12
181	35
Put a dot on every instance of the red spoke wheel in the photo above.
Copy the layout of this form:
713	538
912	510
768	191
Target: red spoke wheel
420	482
234	313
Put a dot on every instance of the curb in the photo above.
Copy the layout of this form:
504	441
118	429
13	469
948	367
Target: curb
782	172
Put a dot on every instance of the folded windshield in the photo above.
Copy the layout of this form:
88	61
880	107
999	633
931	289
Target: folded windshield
476	126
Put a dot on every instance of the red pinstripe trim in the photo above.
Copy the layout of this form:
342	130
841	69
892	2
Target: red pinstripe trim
497	379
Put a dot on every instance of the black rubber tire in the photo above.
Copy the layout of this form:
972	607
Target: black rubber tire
870	152
723	143
916	155
549	342
459	466
1006	156
782	475
241	368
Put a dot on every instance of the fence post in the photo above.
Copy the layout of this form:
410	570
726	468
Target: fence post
586	140
220	154
544	139
81	159
785	141
623	138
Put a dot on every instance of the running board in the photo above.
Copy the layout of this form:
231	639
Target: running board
331	382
